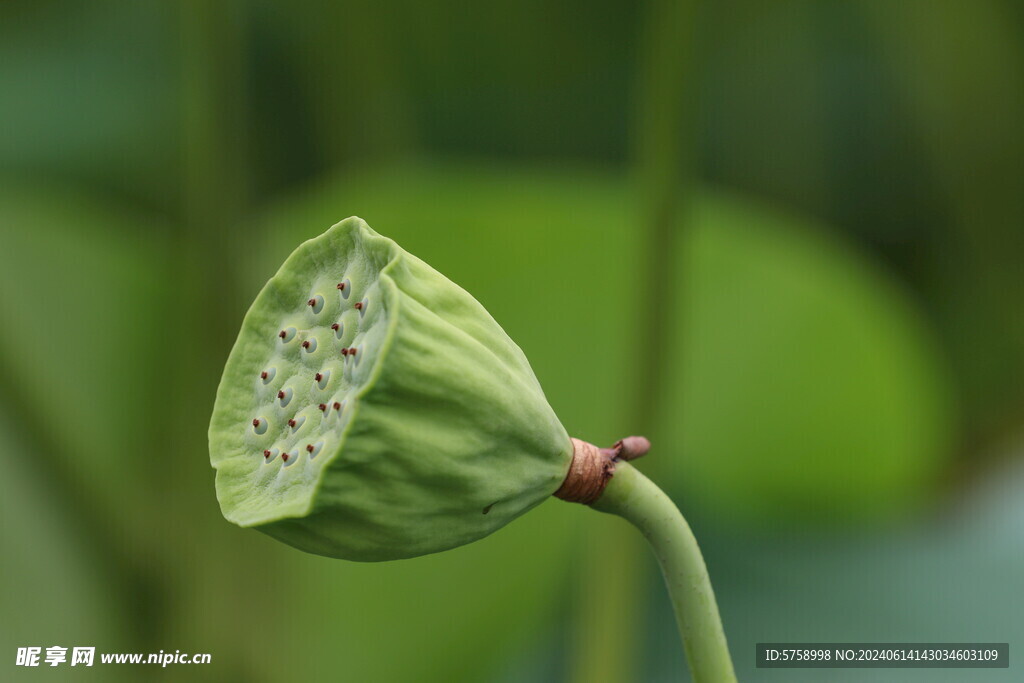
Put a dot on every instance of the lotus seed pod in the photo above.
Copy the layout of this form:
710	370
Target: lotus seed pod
371	409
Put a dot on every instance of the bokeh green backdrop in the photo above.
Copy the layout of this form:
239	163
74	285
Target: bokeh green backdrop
783	239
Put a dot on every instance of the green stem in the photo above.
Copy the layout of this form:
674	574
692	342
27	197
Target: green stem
640	502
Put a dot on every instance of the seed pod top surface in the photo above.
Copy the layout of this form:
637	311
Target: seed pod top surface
371	409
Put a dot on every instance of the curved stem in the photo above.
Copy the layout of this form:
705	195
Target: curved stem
639	501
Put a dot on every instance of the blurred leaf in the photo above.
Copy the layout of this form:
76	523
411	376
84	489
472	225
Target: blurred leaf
762	99
82	312
808	388
52	594
455	616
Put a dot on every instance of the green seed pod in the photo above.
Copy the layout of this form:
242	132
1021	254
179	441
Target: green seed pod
371	409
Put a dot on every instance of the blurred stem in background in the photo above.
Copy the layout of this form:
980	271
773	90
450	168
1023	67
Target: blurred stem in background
948	58
362	109
213	204
606	644
215	126
210	244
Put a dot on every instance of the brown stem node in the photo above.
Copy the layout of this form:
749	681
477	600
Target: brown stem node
589	473
592	467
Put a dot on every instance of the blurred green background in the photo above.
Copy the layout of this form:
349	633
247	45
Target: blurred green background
785	240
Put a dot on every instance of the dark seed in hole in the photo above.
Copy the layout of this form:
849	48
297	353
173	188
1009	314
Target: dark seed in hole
263	375
337	406
352	351
341	286
282	334
266	454
318	376
284	456
255	423
309	448
280	394
344	352
305	344
311	302
359	305
335	327
291	423
322	407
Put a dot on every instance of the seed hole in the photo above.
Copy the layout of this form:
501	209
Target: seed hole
345	287
316	303
322	407
322	378
296	423
270	454
287	334
336	406
285	396
290	458
309	345
268	375
314	449
259	425
338	329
